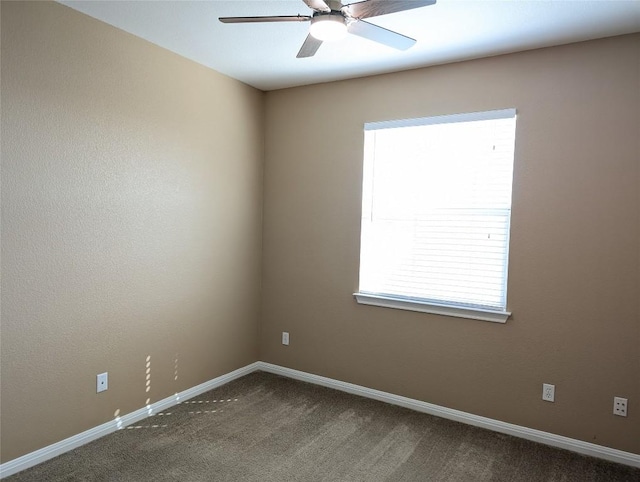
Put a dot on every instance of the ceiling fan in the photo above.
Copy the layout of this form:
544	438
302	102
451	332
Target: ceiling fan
331	19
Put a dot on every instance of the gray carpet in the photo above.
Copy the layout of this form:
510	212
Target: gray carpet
267	428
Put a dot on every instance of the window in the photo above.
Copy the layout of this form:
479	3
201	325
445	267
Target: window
436	211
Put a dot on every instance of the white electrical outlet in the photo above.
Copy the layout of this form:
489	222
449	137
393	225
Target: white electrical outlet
548	392
285	338
620	406
102	382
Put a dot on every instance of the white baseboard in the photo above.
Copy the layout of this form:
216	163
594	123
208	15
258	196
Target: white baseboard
58	448
534	435
539	436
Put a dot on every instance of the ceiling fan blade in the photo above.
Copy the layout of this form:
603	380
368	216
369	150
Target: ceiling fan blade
375	8
317	5
285	18
381	35
309	47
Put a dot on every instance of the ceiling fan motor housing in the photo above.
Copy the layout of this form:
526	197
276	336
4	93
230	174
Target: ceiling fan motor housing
327	26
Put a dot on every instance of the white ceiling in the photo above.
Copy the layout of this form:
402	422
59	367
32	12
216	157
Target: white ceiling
264	55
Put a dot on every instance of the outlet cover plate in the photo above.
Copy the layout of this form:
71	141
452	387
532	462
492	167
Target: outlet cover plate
102	381
548	392
620	406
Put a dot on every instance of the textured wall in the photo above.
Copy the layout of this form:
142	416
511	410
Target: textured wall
131	223
574	278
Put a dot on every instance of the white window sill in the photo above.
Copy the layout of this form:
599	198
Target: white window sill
457	311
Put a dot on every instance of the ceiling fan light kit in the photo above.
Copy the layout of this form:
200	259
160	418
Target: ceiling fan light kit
328	26
332	20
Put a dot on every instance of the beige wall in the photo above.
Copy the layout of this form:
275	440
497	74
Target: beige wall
574	278
131	223
131	227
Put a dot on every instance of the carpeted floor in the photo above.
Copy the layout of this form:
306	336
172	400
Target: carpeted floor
266	428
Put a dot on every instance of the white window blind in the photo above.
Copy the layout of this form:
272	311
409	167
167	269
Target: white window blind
436	209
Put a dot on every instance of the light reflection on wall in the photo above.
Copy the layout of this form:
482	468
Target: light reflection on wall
148	384
149	409
116	416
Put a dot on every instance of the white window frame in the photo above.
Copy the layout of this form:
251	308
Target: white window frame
411	304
